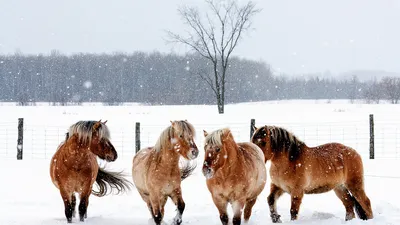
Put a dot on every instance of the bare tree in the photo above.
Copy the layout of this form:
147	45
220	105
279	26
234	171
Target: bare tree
353	88
391	88
373	93
215	37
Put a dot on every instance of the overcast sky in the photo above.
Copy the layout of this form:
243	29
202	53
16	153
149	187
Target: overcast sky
293	36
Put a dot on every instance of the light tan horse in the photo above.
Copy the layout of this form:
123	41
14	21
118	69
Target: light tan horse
235	174
74	168
298	169
156	173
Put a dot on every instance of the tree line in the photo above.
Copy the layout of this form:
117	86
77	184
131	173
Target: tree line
156	78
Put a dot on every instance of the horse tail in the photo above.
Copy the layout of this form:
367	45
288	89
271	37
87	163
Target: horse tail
359	209
187	169
108	181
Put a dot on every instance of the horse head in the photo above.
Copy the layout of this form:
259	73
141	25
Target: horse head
216	146
262	138
183	139
100	143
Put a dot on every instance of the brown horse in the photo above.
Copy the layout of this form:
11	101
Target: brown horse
298	169
156	173
235	174
74	167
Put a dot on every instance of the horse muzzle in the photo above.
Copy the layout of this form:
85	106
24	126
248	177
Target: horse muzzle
111	158
208	172
193	153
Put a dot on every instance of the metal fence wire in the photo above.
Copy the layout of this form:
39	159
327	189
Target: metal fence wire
41	141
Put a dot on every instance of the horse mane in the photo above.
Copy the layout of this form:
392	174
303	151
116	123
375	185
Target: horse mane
84	130
185	128
284	141
214	138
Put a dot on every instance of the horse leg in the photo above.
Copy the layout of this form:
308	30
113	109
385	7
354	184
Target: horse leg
297	196
73	204
344	195
83	204
247	209
146	198
274	195
67	204
176	197
362	202
237	207
221	204
157	204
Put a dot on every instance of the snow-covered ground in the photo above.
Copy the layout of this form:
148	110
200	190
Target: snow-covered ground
29	197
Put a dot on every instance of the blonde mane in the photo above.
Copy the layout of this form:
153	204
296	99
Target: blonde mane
84	129
215	137
180	127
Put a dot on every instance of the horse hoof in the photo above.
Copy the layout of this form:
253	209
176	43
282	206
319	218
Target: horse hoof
69	220
177	222
276	218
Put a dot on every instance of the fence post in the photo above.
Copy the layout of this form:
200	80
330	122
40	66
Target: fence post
20	140
137	137
371	137
252	124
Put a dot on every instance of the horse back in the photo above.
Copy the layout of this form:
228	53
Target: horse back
72	169
330	164
140	166
251	152
253	164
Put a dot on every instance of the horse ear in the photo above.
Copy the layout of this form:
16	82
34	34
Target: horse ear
172	122
97	125
205	133
225	133
105	122
254	127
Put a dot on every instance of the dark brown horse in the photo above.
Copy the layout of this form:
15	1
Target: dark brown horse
156	173
235	174
298	169
74	167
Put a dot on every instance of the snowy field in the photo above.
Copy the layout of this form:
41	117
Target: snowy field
29	197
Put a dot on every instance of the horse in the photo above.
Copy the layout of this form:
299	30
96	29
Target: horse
235	173
297	169
74	167
156	170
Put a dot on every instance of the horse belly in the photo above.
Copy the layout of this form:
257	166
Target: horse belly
319	189
260	181
139	170
139	178
322	182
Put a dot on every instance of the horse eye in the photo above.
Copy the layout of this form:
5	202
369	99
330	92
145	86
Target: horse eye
217	149
181	136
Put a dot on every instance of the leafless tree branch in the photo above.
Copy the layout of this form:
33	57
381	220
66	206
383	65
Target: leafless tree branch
216	37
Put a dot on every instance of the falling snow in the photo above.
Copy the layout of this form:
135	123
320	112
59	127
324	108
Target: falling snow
87	84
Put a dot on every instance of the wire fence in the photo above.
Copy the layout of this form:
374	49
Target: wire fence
41	141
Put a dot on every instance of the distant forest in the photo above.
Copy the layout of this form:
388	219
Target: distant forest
155	78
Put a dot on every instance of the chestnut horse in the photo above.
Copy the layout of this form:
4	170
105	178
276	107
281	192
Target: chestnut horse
235	174
298	169
156	173
74	166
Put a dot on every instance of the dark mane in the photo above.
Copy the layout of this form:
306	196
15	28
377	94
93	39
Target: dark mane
284	141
